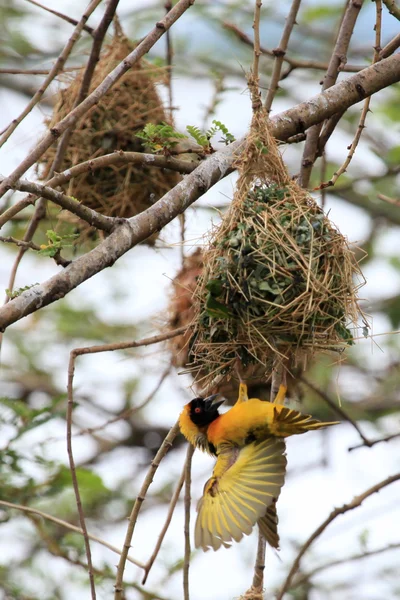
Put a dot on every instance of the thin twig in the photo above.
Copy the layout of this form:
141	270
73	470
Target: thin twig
155	339
390	47
361	125
58	66
304	577
61	15
371	443
94	538
293	63
355	503
69	120
338	59
129	411
171	509
256	46
70	406
165	446
170	54
186	531
335	407
392	8
59	260
280	52
33	71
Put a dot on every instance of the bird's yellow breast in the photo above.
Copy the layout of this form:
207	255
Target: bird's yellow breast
242	420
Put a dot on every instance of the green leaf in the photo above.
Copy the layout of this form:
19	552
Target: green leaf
214	286
216	309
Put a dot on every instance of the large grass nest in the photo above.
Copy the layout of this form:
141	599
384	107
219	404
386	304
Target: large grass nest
110	125
278	276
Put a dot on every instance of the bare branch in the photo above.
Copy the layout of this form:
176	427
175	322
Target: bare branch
336	408
61	16
165	446
176	201
188	482
304	577
293	63
371	443
280	52
355	503
67	202
338	59
171	509
392	8
57	521
70	406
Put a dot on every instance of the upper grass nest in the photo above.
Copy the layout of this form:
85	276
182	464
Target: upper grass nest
278	276
110	125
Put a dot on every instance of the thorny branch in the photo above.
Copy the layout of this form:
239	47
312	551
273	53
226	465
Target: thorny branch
355	503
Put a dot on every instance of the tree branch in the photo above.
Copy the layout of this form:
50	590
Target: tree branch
355	503
57	521
165	446
138	228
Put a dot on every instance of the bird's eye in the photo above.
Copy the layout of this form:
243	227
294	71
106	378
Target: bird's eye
197	410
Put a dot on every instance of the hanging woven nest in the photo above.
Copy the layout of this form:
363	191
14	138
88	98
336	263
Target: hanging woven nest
110	125
278	276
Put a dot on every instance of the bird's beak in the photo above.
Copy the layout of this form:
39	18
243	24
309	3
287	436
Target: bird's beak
210	403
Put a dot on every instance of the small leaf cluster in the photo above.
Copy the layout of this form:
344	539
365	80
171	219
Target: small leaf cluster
203	137
160	138
55	243
163	137
15	293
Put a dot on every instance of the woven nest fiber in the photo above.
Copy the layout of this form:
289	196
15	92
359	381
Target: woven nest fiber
181	313
278	276
110	125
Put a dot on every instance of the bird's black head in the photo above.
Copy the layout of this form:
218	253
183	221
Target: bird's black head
204	411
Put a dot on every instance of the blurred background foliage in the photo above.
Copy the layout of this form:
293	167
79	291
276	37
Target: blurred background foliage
33	462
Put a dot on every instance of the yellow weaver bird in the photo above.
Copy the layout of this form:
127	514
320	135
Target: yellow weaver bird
249	444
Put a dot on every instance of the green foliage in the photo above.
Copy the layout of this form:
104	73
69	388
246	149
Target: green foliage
160	138
56	243
15	293
203	138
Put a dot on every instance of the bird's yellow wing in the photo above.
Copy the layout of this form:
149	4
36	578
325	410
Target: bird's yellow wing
244	483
